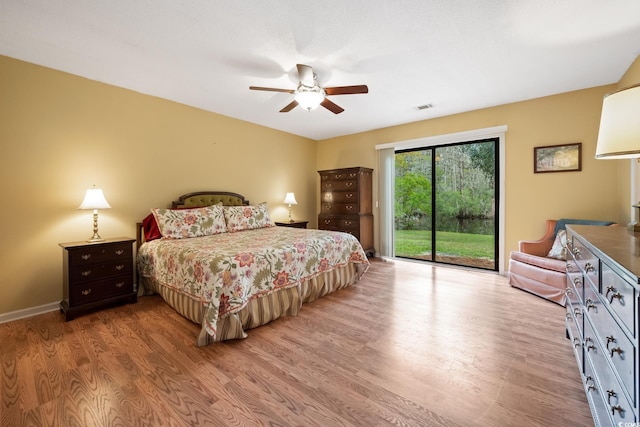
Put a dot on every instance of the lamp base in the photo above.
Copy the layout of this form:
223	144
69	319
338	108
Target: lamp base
94	239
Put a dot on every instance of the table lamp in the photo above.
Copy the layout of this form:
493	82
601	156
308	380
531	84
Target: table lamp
94	199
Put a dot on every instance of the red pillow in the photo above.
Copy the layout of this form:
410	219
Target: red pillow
150	228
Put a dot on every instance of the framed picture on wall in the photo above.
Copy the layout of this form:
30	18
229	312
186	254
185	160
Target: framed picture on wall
558	158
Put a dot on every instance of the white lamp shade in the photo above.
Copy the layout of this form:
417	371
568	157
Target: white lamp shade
619	134
290	199
309	100
94	199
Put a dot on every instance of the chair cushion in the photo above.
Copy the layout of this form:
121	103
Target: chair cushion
538	261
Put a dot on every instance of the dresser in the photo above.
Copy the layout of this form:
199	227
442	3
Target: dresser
603	269
96	275
346	203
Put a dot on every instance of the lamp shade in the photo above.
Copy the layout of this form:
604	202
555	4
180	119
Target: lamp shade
290	199
619	134
94	199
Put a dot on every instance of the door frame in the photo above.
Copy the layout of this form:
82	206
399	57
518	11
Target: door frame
387	226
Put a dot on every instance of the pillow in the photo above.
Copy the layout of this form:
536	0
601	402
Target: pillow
247	217
559	248
185	223
150	228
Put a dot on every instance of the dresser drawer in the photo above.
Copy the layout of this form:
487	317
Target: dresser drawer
575	336
338	185
574	288
620	296
587	262
340	223
339	208
615	345
91	254
339	175
99	270
340	197
596	396
612	391
97	290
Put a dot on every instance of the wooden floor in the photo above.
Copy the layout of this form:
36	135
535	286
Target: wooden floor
410	344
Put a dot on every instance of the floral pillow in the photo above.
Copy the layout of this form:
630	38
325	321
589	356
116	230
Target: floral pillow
247	217
185	223
559	248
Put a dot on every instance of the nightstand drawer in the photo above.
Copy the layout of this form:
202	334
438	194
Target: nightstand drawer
98	253
93	291
99	271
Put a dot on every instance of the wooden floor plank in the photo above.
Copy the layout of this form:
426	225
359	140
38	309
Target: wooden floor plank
410	344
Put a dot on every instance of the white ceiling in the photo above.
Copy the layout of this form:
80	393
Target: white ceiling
458	55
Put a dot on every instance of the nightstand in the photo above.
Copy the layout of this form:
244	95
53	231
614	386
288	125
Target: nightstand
294	224
97	274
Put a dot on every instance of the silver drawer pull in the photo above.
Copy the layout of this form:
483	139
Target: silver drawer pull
616	350
590	346
120	267
610	394
614	295
569	267
86	273
588	380
577	311
610	340
569	291
568	316
589	268
119	284
576	342
86	292
590	304
616	408
85	256
577	252
577	281
119	252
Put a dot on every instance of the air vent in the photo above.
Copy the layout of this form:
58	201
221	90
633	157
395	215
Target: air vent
425	106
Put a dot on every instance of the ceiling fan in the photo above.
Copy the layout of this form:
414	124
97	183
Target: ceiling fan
309	95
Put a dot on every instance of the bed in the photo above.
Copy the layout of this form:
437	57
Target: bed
221	262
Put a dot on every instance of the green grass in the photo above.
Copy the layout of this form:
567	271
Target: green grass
417	242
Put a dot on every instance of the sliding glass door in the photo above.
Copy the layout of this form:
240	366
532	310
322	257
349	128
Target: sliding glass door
445	199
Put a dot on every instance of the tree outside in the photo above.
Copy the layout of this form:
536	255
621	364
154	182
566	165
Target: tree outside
463	183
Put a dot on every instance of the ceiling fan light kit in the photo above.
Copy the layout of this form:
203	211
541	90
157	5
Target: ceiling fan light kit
309	98
309	95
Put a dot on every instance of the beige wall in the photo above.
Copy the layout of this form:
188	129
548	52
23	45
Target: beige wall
630	78
530	198
60	134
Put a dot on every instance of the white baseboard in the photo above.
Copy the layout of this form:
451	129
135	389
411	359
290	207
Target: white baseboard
29	312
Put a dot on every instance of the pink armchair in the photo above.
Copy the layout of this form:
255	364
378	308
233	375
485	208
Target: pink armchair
531	270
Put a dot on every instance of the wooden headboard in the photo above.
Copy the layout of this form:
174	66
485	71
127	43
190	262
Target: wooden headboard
198	199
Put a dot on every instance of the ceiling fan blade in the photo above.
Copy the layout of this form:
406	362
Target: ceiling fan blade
346	90
334	108
306	75
289	106
272	89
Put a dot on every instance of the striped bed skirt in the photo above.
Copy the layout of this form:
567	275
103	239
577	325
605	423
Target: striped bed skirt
258	311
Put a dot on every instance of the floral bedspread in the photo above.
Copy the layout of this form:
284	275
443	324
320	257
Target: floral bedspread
225	271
